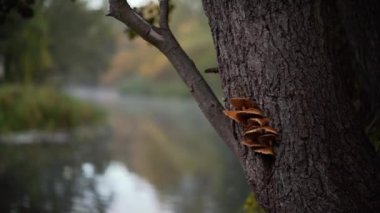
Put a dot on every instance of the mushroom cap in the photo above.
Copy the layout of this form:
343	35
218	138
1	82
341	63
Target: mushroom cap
260	131
242	116
254	132
250	143
242	103
267	139
264	151
258	121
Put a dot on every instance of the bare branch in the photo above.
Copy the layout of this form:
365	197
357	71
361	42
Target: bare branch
165	41
202	93
122	11
164	14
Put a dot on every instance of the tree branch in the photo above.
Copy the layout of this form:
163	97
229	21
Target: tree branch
164	14
122	11
164	40
202	93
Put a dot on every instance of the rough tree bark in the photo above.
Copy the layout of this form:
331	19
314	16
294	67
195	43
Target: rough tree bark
289	57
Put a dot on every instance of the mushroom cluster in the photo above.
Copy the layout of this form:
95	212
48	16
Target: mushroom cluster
257	133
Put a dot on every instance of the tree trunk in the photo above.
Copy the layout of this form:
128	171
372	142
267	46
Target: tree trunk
361	20
291	56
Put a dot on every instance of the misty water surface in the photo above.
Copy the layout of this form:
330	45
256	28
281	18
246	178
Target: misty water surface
153	155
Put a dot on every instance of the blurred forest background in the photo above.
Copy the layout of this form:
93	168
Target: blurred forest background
66	43
93	121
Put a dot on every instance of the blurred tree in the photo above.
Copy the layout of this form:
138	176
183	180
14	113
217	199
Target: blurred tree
24	48
23	8
62	41
81	41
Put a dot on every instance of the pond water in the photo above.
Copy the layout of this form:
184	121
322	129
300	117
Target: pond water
155	155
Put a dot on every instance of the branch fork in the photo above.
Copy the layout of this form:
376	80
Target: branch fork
122	11
163	39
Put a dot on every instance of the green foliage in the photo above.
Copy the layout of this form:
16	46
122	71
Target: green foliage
82	41
43	108
25	49
251	206
62	41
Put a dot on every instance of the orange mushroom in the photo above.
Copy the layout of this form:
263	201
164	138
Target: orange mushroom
265	151
242	116
258	135
251	143
260	131
258	121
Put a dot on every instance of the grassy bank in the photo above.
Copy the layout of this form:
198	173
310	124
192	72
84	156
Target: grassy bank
43	108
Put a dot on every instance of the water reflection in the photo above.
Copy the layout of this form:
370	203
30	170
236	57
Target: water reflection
161	156
49	178
130	192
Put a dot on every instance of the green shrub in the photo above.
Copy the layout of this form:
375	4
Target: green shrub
43	108
251	206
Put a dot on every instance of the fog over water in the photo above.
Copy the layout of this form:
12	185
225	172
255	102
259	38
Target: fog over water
156	155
